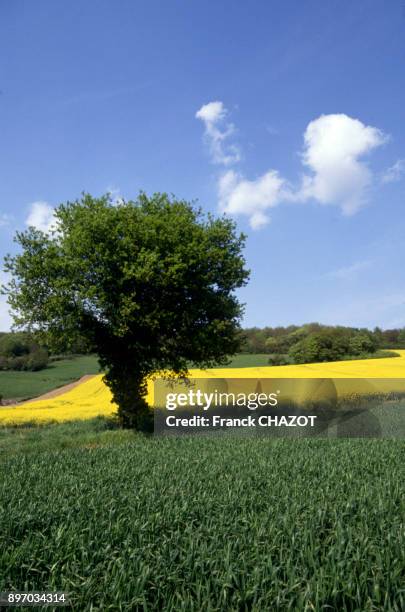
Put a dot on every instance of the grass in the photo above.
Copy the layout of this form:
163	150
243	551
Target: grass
380	354
247	360
25	385
31	438
125	522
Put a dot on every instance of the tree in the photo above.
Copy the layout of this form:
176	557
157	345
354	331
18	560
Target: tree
401	338
362	342
390	338
19	351
149	284
307	350
329	344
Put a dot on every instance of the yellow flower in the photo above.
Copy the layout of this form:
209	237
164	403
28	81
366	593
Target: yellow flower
92	398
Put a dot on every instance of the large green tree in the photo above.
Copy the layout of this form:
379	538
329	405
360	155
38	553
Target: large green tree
149	284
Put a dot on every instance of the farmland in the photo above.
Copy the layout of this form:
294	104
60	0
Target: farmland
24	385
127	522
124	521
92	398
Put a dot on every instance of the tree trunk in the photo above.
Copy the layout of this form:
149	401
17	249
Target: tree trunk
129	390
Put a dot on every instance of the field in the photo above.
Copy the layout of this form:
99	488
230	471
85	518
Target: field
248	360
126	522
92	398
24	385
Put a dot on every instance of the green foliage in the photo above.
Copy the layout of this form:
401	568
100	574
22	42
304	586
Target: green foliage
148	284
34	438
64	370
19	351
24	385
277	359
401	338
63	348
14	345
203	523
268	339
279	344
390	338
315	342
362	342
332	344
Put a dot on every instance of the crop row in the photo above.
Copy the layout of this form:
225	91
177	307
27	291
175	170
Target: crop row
208	524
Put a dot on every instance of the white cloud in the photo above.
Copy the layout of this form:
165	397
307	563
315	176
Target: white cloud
252	198
41	216
350	272
395	172
333	150
217	133
212	112
333	153
333	146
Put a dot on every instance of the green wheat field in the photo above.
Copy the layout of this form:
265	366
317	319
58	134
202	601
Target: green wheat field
122	521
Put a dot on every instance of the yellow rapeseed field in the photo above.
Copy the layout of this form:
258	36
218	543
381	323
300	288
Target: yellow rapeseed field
93	398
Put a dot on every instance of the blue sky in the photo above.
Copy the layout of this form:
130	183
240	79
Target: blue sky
223	102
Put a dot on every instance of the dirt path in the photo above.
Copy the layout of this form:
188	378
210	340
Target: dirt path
56	392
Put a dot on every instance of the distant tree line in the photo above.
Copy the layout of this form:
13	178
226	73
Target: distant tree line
307	343
20	351
314	342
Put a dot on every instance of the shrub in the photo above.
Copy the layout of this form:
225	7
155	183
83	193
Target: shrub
37	360
277	359
19	351
14	345
362	342
327	345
